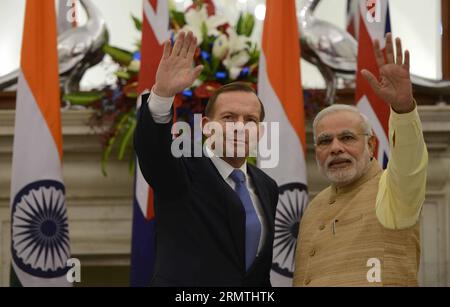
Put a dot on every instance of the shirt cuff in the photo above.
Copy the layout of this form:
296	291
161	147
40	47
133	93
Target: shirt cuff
404	129
160	108
397	119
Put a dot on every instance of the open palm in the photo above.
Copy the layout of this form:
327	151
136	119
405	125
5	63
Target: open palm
394	85
175	71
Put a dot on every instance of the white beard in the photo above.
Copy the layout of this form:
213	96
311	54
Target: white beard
349	174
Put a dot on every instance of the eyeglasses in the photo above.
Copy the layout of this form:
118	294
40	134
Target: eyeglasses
347	138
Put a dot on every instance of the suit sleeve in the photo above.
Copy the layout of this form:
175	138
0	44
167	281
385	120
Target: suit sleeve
166	174
275	196
274	203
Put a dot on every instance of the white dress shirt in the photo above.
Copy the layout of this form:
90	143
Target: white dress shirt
160	109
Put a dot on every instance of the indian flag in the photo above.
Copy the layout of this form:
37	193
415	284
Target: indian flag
39	228
280	90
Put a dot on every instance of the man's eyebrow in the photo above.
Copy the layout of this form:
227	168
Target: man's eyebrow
324	135
234	114
346	131
227	113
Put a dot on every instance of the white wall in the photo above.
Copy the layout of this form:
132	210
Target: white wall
11	25
416	21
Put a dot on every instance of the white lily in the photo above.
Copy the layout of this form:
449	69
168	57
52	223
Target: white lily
238	53
237	42
220	47
234	62
234	72
197	19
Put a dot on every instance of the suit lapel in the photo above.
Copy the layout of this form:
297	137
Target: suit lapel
264	199
235	215
236	212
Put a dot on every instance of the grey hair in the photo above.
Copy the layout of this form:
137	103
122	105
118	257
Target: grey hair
339	108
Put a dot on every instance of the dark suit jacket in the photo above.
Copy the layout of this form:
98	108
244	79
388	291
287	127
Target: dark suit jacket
200	220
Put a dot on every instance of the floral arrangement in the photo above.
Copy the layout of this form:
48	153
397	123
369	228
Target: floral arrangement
226	52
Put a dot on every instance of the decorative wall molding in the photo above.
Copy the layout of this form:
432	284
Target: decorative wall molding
100	208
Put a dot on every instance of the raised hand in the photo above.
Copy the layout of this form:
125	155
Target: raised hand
175	71
395	85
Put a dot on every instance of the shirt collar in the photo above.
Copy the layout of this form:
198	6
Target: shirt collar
223	167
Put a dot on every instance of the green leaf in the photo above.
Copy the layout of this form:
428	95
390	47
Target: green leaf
253	79
249	24
177	18
121	56
106	154
132	163
254	54
206	67
245	24
204	29
127	138
83	98
123	75
132	95
239	24
215	62
137	22
138	45
112	141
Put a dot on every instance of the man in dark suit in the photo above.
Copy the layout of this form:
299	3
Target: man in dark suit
214	215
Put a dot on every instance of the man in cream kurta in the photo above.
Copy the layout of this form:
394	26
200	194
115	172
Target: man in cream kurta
363	230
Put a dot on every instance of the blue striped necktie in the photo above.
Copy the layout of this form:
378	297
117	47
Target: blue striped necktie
252	223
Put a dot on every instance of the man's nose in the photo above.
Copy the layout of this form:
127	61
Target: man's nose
239	125
241	119
336	147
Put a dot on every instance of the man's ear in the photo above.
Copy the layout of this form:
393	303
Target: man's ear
371	143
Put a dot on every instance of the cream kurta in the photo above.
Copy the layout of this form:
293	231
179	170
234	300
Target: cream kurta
374	220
